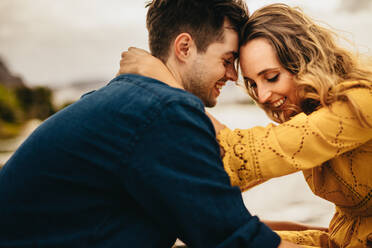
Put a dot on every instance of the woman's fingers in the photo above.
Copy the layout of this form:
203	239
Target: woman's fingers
131	60
138	61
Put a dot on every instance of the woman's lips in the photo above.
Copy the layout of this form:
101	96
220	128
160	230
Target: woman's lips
277	104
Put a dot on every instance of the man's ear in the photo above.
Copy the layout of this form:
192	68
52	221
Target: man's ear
183	46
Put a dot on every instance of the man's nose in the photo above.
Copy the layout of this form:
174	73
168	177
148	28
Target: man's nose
264	94
231	73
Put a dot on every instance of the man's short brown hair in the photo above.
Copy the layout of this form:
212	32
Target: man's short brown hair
202	19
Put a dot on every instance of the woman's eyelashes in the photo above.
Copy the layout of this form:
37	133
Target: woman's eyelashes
252	84
273	79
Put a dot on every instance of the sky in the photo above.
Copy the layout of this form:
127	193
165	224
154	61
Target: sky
56	43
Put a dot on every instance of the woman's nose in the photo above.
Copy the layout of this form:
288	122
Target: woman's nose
264	95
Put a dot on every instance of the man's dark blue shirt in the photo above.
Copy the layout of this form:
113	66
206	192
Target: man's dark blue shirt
134	164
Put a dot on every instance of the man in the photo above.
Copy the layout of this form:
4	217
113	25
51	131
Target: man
136	163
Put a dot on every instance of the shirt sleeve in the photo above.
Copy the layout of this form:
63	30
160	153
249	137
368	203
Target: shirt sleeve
177	177
255	155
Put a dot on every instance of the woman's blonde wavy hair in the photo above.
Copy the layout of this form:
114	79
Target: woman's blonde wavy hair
311	54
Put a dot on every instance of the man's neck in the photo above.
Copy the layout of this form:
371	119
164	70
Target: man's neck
174	79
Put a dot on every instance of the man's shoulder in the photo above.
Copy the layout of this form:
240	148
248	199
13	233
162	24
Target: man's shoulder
152	91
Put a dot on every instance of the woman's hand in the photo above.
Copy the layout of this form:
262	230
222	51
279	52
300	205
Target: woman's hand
139	61
218	126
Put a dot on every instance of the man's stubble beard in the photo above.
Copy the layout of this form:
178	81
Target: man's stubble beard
196	84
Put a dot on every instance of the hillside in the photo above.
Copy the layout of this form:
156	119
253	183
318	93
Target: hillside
20	103
8	79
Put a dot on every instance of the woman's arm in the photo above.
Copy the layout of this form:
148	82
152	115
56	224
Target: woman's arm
218	126
291	226
304	142
139	61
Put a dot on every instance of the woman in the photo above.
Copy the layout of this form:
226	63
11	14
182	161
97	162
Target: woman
320	95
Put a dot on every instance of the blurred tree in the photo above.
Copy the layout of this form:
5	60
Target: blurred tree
36	102
42	106
24	95
19	103
10	110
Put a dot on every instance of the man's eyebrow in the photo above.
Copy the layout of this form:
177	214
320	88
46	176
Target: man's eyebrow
233	53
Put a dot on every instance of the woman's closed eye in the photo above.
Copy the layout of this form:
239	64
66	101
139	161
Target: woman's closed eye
228	62
273	79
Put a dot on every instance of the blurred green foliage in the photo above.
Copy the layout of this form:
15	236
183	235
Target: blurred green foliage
10	110
17	105
35	102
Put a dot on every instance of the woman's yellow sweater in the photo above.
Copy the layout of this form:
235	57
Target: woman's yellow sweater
333	150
